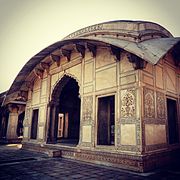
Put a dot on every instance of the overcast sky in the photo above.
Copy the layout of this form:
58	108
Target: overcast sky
28	26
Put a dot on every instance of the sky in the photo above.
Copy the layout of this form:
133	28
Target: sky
28	26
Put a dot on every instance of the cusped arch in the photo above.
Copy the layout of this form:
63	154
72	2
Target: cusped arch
63	80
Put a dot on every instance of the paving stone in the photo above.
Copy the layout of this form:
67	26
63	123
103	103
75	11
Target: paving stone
47	168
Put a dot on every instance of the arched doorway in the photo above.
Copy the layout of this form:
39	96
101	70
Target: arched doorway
65	112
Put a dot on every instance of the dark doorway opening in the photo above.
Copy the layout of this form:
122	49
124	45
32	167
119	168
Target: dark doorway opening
69	113
172	121
20	124
4	115
34	124
106	120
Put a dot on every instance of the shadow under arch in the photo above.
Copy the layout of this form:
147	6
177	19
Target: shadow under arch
64	115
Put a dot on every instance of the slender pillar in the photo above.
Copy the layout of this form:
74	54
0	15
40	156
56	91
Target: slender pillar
52	132
48	124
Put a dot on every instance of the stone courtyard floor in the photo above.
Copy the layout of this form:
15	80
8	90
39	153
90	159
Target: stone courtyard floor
16	163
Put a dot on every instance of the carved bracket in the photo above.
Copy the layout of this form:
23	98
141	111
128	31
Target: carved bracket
81	49
66	53
55	58
92	48
44	66
116	52
38	73
138	63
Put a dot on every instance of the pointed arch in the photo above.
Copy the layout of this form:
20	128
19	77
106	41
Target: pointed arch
63	80
65	103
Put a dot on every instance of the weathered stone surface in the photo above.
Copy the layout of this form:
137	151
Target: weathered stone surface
126	60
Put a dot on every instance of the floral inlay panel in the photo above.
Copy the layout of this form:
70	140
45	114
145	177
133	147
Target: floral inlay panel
87	108
149	106
160	99
128	103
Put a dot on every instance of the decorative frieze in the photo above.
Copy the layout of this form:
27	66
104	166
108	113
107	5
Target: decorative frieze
120	160
149	106
131	148
128	103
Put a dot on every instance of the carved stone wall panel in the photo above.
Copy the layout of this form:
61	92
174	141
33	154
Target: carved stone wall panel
104	57
87	109
42	114
170	79
149	103
27	117
36	98
41	132
161	110
155	134
118	127
86	133
128	134
159	77
137	137
44	88
26	132
128	103
37	84
88	74
106	78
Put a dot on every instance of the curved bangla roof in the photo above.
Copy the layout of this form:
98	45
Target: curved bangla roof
147	40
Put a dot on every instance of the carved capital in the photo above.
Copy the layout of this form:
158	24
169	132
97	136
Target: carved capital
13	108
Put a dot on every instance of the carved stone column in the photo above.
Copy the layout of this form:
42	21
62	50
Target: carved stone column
11	135
52	127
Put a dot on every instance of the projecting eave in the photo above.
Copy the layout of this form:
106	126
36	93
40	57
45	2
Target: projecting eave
150	50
